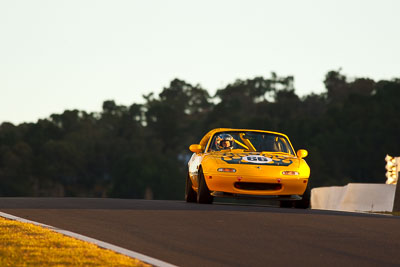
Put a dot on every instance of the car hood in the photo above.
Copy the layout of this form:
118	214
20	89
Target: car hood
254	158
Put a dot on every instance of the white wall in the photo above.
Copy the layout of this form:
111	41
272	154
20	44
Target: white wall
354	197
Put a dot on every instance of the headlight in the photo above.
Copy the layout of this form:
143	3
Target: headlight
290	173
226	170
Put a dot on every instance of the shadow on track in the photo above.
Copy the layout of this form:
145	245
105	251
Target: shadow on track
161	205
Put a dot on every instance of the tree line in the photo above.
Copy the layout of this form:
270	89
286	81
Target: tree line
141	150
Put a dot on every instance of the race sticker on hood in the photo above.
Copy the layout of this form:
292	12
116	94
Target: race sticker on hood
256	158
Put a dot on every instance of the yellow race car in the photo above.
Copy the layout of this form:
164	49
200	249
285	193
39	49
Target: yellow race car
244	163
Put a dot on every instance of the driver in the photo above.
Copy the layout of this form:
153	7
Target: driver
224	141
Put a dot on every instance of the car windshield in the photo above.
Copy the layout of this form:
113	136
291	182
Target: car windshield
250	141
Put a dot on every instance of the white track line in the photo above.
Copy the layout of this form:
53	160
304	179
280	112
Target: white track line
99	243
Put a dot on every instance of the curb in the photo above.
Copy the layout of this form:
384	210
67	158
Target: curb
120	250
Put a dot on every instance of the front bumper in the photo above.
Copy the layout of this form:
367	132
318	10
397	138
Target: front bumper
246	196
286	186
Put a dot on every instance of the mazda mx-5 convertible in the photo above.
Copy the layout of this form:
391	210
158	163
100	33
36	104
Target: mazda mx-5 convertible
241	163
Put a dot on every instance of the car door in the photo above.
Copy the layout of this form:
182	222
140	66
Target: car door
194	164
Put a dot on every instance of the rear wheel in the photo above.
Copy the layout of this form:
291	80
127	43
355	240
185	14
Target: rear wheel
190	194
203	193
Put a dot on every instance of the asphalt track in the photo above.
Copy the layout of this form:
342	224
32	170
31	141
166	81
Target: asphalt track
222	234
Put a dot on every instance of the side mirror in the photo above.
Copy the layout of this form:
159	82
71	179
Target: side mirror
302	153
196	148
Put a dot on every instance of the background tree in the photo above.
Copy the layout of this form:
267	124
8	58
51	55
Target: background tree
141	150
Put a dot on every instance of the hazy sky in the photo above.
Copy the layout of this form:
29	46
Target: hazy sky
57	55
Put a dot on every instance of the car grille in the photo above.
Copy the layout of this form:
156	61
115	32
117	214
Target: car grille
257	186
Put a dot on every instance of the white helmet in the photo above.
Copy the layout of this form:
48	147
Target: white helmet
224	141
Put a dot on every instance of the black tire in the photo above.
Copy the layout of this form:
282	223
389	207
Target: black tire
190	194
203	193
305	202
286	203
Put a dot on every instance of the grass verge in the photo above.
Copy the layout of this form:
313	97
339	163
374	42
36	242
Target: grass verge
24	244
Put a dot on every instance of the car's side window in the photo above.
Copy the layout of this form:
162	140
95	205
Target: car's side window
206	147
212	147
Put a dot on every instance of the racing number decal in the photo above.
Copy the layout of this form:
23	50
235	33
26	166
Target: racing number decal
255	158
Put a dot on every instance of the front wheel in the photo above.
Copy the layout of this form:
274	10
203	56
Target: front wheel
203	193
304	203
286	203
190	194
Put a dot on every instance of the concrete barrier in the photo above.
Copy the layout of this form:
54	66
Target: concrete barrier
354	197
